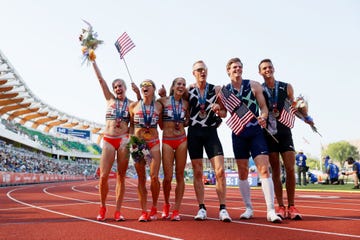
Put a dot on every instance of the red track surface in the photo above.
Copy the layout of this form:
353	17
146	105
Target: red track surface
68	210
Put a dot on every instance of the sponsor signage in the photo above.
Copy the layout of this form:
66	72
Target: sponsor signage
75	132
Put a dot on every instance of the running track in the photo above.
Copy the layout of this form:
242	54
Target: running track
67	211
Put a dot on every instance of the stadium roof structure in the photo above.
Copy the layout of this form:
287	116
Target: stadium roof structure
18	103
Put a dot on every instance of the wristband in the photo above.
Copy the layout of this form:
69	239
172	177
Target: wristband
308	119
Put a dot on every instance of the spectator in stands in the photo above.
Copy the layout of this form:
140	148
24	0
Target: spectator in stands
175	117
301	167
116	135
355	171
333	173
145	116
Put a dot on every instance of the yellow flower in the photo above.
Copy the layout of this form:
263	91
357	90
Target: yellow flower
92	55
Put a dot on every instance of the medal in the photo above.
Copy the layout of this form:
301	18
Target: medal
118	122
177	114
275	112
147	134
202	101
202	114
147	120
273	98
120	112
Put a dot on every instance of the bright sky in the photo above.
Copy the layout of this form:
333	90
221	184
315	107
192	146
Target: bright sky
314	45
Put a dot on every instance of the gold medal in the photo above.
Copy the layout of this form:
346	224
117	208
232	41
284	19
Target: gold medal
147	135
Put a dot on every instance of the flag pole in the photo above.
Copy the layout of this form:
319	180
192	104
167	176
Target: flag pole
267	130
127	70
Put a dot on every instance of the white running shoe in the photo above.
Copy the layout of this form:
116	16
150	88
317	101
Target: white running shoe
273	217
249	213
224	216
201	215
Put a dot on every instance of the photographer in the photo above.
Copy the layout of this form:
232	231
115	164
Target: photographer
355	172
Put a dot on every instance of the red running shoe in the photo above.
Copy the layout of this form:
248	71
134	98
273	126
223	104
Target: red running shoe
144	217
101	216
118	217
281	212
165	213
153	212
175	216
293	213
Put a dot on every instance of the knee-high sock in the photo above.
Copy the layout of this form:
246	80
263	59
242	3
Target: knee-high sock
245	193
267	186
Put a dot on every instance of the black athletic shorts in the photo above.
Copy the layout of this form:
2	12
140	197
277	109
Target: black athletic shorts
203	137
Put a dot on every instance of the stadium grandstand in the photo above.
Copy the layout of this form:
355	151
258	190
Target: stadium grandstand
38	138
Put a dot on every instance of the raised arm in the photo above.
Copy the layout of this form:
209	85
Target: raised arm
108	95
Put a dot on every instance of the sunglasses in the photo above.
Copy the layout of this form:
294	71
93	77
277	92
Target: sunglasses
146	84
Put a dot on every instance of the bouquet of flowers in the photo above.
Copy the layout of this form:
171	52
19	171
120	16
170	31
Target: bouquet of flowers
89	43
138	150
302	108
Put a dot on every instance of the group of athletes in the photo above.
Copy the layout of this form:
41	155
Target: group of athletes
200	108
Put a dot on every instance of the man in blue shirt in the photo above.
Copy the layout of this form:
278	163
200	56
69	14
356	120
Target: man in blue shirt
301	166
326	162
355	172
333	173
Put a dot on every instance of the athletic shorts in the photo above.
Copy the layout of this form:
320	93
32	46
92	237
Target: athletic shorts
285	143
203	137
250	141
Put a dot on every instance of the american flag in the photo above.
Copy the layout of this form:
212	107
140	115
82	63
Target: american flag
230	101
124	44
287	116
239	119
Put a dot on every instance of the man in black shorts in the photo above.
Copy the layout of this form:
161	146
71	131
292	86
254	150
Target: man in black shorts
205	112
276	94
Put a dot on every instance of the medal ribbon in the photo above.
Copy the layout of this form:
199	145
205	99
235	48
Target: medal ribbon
202	100
177	112
147	118
119	113
273	98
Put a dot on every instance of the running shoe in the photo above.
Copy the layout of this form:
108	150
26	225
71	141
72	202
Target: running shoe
144	217
175	216
249	213
293	213
118	217
356	187
273	217
165	213
153	212
224	216
201	215
101	216
281	212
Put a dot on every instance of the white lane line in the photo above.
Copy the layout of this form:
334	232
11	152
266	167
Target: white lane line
88	220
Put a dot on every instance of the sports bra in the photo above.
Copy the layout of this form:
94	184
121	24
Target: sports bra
140	118
118	110
168	113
